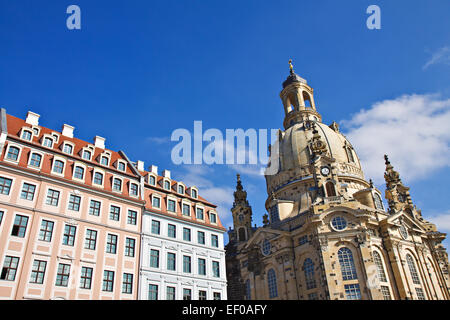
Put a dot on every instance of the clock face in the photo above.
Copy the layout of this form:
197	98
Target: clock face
325	171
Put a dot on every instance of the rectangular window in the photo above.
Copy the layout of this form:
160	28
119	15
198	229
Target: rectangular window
152	292
201	237
20	226
52	197
78	173
155	227
200	214
154	258
127	284
91	239
28	191
48	142
201	295
151	180
98	178
9	269
129	247
111	243
5	185
186	210
180	189
201	267
94	208
187	294
86	155
386	293
108	281
67	149
186	234
114	213
171	205
86	278
214	241
212	218
352	292
171	261
170	293
167	185
156	202
134	189
216	295
121	166
104	161
69	235
58	167
38	271
46	231
216	269
26	135
312	296
420	294
172	231
194	193
74	202
117	184
186	264
62	276
132	217
13	153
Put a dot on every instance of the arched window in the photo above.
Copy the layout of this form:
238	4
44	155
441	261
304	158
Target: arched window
117	184
347	264
331	191
349	152
272	283
35	160
379	264
79	173
307	100
412	269
242	236
13	153
378	202
58	167
248	292
98	178
308	268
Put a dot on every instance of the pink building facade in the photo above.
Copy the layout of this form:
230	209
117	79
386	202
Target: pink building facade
70	215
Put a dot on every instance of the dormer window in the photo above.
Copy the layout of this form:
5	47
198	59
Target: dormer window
378	202
36	131
55	137
180	189
78	173
166	184
212	217
104	161
26	135
194	193
98	178
121	166
117	184
200	214
349	152
48	142
13	153
67	148
87	155
152	180
35	160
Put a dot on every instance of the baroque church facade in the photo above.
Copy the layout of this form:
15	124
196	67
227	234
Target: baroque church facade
327	235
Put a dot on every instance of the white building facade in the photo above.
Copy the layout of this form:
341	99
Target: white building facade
181	260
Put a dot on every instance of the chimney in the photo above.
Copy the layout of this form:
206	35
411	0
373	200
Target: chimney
140	165
32	118
99	142
166	174
154	169
67	131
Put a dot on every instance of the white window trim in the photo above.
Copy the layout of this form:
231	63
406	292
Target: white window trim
4	196
48	136
96	170
170	184
120	212
129	189
117	243
88	150
148	179
167	203
107	155
18	156
29	130
121	184
89	205
55	222
55	136
53	165
343	217
154	195
79	164
72	193
70	143
182	185
38	129
124	163
187	202
36	190
40	164
198	206
59	199
213	212
196	192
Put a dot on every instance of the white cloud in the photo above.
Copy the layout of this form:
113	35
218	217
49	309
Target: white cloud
412	129
441	56
442	221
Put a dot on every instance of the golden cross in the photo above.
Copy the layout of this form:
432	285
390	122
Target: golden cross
291	67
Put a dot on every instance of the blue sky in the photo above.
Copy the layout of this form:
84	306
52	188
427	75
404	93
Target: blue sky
138	70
